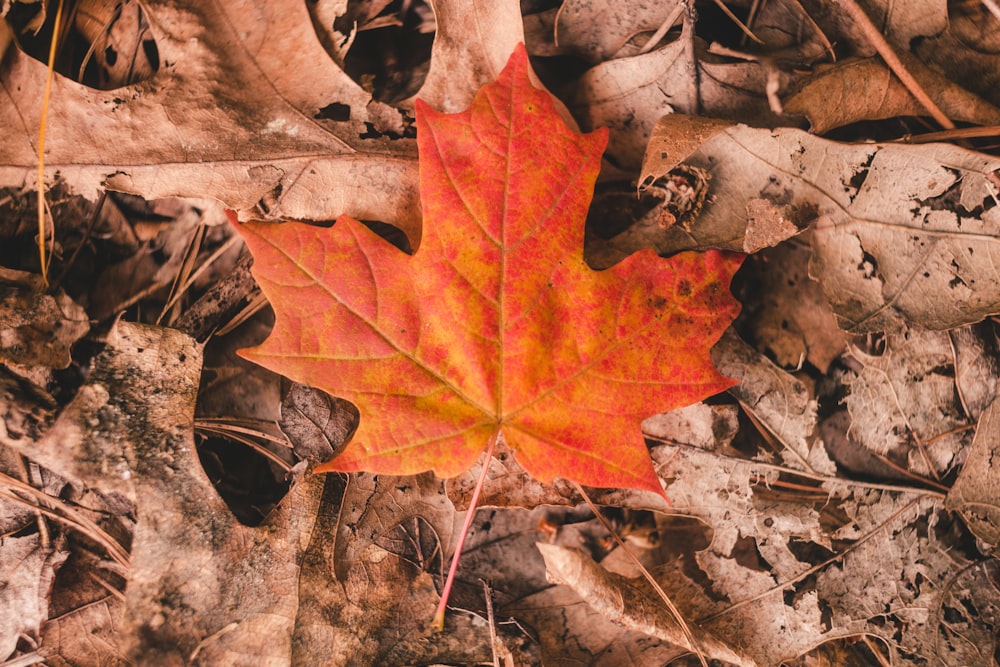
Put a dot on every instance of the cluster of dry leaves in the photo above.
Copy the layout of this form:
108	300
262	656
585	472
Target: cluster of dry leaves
837	506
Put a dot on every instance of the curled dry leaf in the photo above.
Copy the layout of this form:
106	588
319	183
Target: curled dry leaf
856	90
628	604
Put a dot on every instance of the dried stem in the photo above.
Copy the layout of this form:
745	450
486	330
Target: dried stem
470	513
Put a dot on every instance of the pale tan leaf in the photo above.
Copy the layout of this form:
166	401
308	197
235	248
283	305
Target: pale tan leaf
779	401
900	233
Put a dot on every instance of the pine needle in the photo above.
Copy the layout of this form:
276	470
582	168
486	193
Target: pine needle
43	260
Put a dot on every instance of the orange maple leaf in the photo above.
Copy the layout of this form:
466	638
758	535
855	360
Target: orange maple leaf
495	323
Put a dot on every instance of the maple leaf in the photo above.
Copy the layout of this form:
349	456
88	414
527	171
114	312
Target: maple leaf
495	323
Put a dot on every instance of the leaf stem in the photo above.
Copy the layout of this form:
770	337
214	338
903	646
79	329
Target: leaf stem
438	621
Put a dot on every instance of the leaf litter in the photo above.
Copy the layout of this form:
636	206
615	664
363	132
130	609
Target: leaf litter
841	491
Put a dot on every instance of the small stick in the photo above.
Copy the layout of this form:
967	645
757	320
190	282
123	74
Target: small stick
492	622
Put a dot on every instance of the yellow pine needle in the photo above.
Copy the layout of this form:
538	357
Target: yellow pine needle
41	143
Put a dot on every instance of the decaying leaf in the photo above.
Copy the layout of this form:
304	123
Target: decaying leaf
598	32
39	329
260	138
900	233
903	403
496	323
27	568
790	318
777	400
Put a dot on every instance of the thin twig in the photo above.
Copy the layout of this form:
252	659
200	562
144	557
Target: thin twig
41	142
66	515
732	17
663	29
491	621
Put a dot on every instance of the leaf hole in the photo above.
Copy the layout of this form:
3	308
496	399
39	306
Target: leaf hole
384	47
104	45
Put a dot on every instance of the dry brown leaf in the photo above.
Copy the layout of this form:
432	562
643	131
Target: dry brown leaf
369	506
760	595
967	57
789	317
856	90
39	329
597	31
27	569
380	612
629	96
473	42
977	369
234	113
87	635
901	233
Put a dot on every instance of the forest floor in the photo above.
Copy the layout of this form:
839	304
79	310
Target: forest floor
837	505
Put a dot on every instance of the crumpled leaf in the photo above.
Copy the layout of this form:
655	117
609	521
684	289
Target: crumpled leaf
496	323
